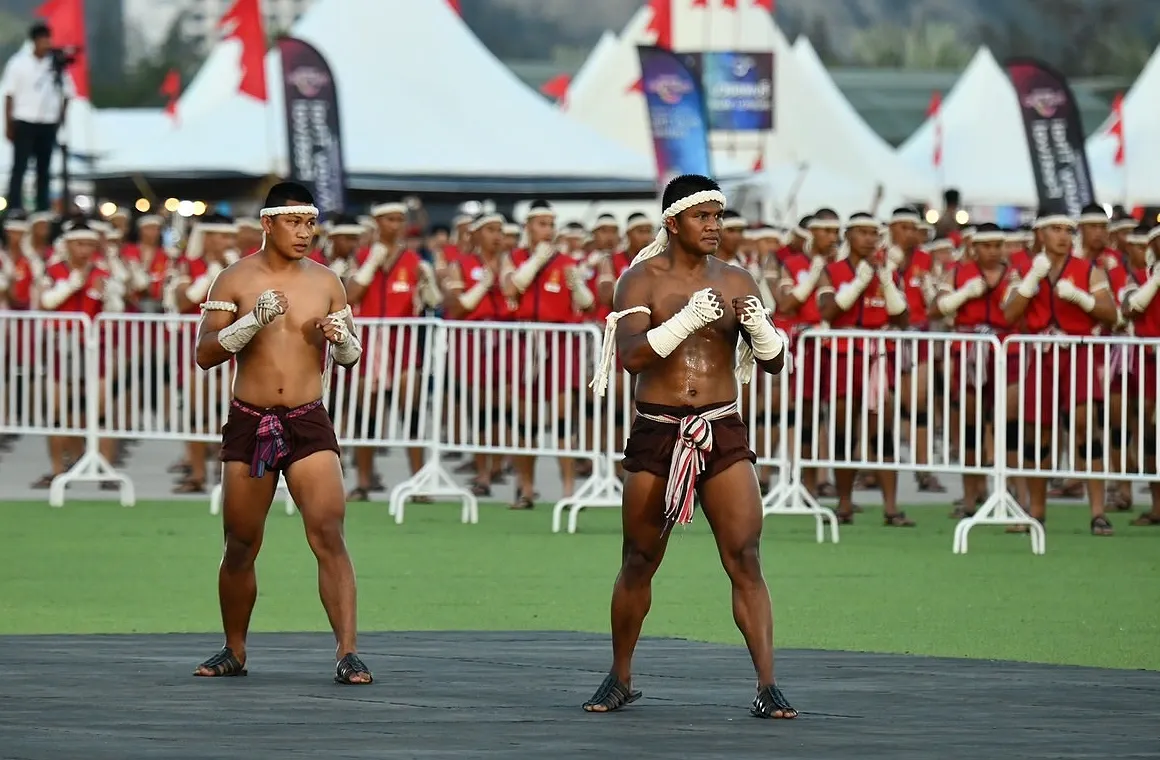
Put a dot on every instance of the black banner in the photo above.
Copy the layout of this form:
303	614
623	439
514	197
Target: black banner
1055	136
312	126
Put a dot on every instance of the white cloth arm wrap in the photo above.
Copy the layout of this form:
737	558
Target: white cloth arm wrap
366	273
429	286
62	290
522	278
665	337
471	298
802	290
236	336
1085	301
199	289
950	304
1142	298
848	293
113	300
1028	286
348	349
895	301
767	344
138	277
582	297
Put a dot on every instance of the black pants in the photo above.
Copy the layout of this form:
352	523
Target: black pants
31	141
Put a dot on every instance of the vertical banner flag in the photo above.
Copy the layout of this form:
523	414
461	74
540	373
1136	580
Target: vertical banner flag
676	112
312	125
1055	136
738	87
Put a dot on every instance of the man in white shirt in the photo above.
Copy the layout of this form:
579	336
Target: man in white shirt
34	106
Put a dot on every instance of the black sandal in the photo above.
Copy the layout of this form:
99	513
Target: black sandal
358	495
612	695
348	667
523	504
897	520
224	664
770	700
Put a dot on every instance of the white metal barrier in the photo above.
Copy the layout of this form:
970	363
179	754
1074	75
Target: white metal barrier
521	390
1075	402
50	387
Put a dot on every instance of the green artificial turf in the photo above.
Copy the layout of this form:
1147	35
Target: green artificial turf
98	568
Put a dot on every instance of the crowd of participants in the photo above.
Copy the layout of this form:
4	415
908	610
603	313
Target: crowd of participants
1087	276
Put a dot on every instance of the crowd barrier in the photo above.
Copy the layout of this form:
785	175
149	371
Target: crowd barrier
856	400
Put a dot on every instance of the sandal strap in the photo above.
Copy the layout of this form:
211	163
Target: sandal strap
770	700
350	665
612	694
224	662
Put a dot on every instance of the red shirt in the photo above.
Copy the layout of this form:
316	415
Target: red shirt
1020	261
797	267
548	298
786	252
393	293
1147	324
157	267
987	309
913	277
494	306
193	269
87	300
1047	312
869	311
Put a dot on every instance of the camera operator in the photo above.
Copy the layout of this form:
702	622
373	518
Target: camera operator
36	93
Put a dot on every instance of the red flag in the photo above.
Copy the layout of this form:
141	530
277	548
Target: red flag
455	7
759	164
704	3
1117	128
556	87
766	4
661	23
171	88
637	86
243	22
66	19
729	4
934	111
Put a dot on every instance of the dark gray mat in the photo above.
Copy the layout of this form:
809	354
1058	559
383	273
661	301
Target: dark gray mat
518	695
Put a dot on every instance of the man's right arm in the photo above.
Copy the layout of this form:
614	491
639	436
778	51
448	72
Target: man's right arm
632	344
210	351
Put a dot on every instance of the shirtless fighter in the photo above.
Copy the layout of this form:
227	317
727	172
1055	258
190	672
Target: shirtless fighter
277	313
679	311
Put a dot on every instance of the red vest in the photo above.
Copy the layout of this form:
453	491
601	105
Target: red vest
797	266
913	277
20	287
1147	325
1047	312
1020	261
392	294
869	311
157	267
987	309
87	300
193	269
494	307
548	298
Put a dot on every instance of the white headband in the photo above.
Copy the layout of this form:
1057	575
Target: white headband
39	216
606	220
461	220
485	220
1093	219
644	222
940	244
661	241
734	223
990	237
861	221
90	235
969	231
906	217
282	210
246	223
540	211
16	225
511	229
1054	219
1134	239
227	229
383	209
149	219
818	224
347	229
1120	225
102	227
1153	234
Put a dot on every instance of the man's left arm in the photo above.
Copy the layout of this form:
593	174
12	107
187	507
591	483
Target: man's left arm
757	328
338	326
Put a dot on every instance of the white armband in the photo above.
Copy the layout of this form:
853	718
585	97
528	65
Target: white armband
1143	296
138	278
428	287
950	303
848	293
522	277
470	299
1028	286
113	300
62	290
366	273
197	291
348	349
895	300
236	336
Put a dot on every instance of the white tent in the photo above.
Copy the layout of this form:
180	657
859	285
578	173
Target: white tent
594	64
1137	181
984	147
432	110
789	192
828	132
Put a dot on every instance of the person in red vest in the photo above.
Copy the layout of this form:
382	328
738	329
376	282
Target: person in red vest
205	258
77	284
1061	294
971	296
343	238
797	310
473	292
149	264
249	235
799	238
1141	308
392	282
551	288
862	291
20	266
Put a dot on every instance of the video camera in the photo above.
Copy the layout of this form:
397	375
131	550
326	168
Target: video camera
62	58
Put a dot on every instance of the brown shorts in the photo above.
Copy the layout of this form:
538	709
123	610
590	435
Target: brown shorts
650	444
275	438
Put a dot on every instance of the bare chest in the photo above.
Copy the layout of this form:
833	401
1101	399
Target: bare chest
670	298
304	305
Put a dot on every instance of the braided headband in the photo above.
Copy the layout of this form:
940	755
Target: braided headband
661	241
990	237
1053	220
906	217
485	220
281	210
383	209
91	235
1093	219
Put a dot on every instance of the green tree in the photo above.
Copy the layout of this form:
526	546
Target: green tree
924	46
141	87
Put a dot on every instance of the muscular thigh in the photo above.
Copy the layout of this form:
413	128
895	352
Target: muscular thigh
642	516
316	484
246	501
731	501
